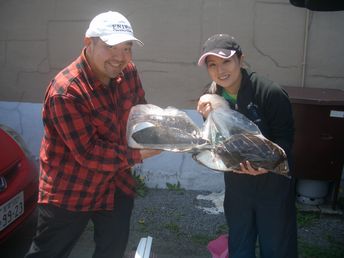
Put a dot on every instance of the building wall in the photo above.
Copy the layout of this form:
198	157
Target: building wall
290	45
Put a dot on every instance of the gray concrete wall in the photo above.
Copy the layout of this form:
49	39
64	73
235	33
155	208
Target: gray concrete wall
39	37
290	45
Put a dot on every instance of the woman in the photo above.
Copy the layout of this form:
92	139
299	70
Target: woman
258	205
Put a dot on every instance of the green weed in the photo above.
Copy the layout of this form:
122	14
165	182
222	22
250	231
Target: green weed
174	187
201	239
141	188
305	219
222	229
307	250
173	227
143	226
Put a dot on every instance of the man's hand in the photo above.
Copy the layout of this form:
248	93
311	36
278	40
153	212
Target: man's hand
246	168
147	153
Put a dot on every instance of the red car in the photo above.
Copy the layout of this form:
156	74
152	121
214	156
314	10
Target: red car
18	183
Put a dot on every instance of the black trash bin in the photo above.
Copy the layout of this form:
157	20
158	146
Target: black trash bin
319	135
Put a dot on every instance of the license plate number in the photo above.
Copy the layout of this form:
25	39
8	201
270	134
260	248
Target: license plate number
11	210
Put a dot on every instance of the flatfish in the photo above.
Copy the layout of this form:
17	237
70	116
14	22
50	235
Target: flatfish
168	129
259	151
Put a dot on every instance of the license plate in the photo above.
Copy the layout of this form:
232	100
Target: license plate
11	210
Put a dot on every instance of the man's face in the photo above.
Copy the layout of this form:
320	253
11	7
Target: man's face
107	61
225	72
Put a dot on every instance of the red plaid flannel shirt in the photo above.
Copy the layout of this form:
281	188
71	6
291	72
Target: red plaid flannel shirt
84	155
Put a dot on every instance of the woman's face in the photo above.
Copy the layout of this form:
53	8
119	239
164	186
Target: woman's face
225	72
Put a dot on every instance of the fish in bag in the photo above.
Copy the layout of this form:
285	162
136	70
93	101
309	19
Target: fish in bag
170	129
235	139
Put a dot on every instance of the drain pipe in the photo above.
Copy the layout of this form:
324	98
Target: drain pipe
305	48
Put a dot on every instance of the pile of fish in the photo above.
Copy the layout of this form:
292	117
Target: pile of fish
226	139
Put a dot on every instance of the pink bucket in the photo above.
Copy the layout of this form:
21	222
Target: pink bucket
219	247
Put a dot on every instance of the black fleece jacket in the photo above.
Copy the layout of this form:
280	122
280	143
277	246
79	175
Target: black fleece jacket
267	105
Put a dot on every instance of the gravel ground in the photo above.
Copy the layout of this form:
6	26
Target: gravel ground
181	229
323	238
178	227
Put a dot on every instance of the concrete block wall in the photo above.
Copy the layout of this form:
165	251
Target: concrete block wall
290	45
40	37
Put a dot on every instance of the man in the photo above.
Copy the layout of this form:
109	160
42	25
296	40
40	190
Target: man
257	204
84	159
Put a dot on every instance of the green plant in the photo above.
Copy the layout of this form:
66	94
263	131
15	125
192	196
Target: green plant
222	229
149	211
201	239
174	187
314	251
141	188
305	219
173	227
178	215
142	226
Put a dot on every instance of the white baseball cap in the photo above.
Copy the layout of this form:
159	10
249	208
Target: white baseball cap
112	28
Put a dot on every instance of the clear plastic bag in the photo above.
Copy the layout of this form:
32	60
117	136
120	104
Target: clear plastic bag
224	122
226	138
234	140
151	127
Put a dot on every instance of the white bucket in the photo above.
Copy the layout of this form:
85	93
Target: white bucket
311	192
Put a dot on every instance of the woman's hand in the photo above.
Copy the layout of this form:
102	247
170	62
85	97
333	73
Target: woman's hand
209	102
204	108
246	168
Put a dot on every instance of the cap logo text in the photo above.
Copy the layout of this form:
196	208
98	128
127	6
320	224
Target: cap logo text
121	28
